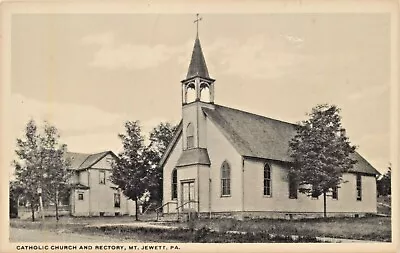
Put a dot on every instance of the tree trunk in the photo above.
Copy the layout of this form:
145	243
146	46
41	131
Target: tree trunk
57	212
324	204
33	212
137	209
57	206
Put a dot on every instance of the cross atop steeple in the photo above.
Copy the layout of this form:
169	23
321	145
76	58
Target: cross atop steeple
198	19
197	77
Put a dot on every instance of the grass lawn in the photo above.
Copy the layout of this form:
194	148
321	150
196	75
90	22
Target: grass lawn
205	230
366	228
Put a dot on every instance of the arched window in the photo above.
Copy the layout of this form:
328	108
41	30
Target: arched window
190	136
225	179
174	185
267	180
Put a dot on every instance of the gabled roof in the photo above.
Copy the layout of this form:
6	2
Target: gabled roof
81	161
197	66
171	145
256	136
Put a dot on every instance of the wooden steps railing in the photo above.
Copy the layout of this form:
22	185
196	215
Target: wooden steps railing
162	206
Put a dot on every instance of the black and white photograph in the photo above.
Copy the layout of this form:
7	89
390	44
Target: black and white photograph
156	129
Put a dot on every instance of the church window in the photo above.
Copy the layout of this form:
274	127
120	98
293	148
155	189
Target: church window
267	180
190	136
358	187
292	186
174	185
225	179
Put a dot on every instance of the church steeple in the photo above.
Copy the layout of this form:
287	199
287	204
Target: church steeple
197	66
198	78
197	93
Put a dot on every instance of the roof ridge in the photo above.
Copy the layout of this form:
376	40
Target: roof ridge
101	152
257	115
80	153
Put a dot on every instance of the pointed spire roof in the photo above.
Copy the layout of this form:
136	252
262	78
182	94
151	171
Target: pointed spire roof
197	65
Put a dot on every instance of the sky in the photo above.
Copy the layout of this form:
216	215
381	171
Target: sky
89	73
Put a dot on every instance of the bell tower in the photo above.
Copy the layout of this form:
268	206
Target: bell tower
197	79
197	92
194	157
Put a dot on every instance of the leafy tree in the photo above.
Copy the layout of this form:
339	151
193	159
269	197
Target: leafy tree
384	183
28	165
160	137
129	172
55	166
40	164
321	152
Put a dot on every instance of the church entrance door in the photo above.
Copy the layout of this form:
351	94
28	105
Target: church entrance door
188	195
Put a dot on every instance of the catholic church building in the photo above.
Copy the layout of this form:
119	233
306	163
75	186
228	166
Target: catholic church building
224	161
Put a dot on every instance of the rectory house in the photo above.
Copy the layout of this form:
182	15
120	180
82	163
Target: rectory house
224	161
92	192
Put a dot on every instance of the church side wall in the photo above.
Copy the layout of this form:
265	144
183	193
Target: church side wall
280	202
167	175
219	150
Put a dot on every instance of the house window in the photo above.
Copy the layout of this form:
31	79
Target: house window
80	196
117	200
292	186
267	180
225	179
102	177
174	185
335	192
190	136
358	187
